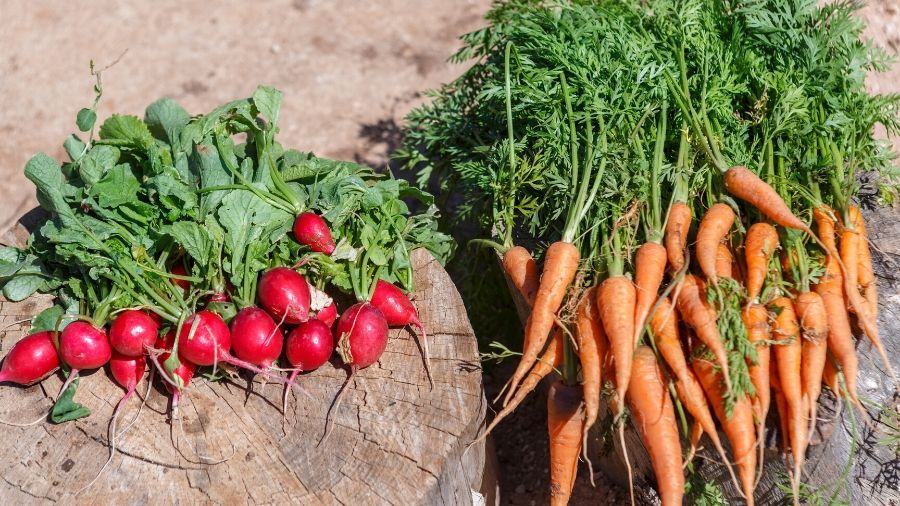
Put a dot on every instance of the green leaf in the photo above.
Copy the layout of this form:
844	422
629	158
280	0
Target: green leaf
129	130
118	187
86	119
74	147
46	175
166	120
195	240
66	409
212	173
11	260
46	319
22	286
268	102
98	161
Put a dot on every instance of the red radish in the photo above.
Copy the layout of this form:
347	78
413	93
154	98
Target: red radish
363	333
311	230
155	317
309	345
83	346
184	372
204	339
219	297
178	269
132	331
127	371
30	360
327	314
284	294
400	312
255	337
307	348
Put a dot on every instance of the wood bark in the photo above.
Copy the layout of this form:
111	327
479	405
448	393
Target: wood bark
394	441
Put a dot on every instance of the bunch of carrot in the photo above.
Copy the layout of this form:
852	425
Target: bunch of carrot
691	166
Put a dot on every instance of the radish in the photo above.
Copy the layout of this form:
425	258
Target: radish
30	360
184	372
178	269
327	314
127	371
255	337
284	294
204	339
308	347
83	346
132	331
311	230
219	297
400	312
363	335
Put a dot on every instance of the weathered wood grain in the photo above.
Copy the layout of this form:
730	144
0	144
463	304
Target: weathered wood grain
395	441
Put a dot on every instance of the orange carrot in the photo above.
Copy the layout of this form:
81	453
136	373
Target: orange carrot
830	376
740	428
654	417
649	267
565	423
788	350
830	288
560	266
522	271
782	409
712	230
814	328
697	314
747	186
677	225
551	359
615	301
724	260
756	321
664	324
866	276
759	245
591	345
850	251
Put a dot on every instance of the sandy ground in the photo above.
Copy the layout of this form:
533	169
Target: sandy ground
350	70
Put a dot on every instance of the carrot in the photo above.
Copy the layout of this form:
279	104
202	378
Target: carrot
724	261
814	328
759	245
522	271
830	288
615	301
788	350
713	228
739	429
649	267
551	359
830	376
866	276
654	417
696	434
565	421
677	225
560	266
747	186
782	409
664	324
697	314
756	321
591	346
849	253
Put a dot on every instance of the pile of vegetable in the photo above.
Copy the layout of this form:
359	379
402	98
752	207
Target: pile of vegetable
689	172
201	245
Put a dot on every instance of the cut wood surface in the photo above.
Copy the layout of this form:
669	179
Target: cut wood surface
395	441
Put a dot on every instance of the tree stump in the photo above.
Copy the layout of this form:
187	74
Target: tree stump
394	440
